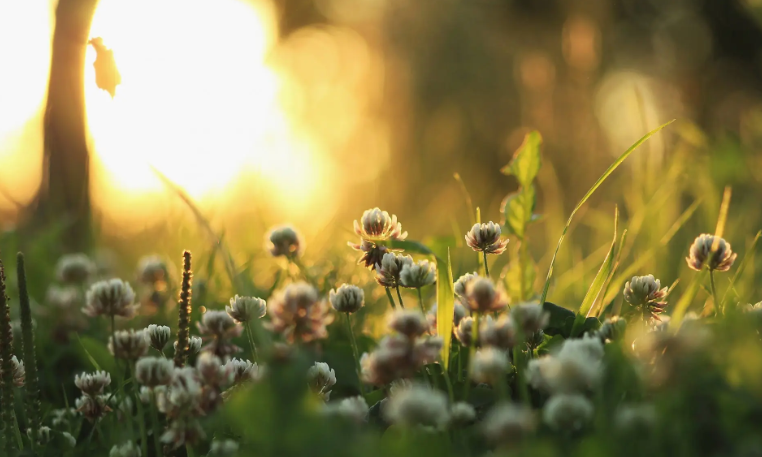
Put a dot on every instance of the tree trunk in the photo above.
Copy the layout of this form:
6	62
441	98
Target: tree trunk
64	194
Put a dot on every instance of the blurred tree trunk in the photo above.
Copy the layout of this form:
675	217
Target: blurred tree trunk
65	194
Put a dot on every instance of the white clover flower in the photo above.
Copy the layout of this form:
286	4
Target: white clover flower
223	448
347	299
298	313
377	225
499	334
219	324
152	270
93	408
482	296
704	253
211	370
568	412
128	449
530	317
74	268
183	430
460	286
613	328
508	422
320	378
70	441
464	331
244	309
418	406
154	371
110	298
486	238
388	271
353	408
489	366
62	297
194	345
646	294
19	373
459	312
577	367
635	418
242	371
462	413
284	241
409	323
158	336
184	391
92	383
61	417
418	275
128	344
43	434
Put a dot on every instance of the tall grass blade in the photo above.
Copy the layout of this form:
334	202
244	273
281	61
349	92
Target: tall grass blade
584	199
611	275
466	197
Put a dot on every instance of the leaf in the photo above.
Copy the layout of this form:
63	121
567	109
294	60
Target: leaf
513	278
517	209
590	192
526	160
611	275
445	305
408	246
96	353
558	317
550	343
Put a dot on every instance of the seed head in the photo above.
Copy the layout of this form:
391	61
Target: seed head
489	366
568	412
284	241
244	309
128	344
320	378
92	383
298	313
704	253
152	270
347	299
409	323
388	271
110	298
377	225
154	371
158	336
418	406
417	275
508	422
486	238
482	296
74	268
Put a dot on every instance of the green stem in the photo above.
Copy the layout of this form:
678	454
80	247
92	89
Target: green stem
714	293
520	381
141	416
391	299
355	353
189	450
522	271
446	376
472	350
486	268
155	424
420	300
399	296
254	353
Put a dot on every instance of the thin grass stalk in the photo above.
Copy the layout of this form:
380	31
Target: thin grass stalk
6	352
717	309
420	300
399	296
254	352
141	415
391	299
31	384
355	352
184	313
486	267
155	425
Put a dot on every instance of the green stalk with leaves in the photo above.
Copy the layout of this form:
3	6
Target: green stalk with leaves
184	313
6	353
30	359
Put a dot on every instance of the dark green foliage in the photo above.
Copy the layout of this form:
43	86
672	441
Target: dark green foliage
184	312
30	359
6	352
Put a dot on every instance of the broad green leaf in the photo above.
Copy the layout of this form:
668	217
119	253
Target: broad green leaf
598	282
526	160
590	192
513	278
445	305
550	343
517	209
558	316
409	246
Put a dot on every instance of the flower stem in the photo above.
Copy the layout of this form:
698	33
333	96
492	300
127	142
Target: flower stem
155	424
420	300
472	351
391	299
399	296
486	268
141	416
714	293
355	353
254	352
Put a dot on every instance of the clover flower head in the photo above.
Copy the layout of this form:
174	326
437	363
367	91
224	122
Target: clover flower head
646	294
128	344
218	324
489	366
508	422
92	383
128	449
352	408
530	317
409	323
182	431
464	331
242	371
62	417
388	271
376	225
576	367
62	297
284	241
417	275
74	268
711	252
244	309
482	296
418	406
347	298
499	334
152	270
92	407
372	253
158	336
17	368
154	371
298	313
567	412
223	448
486	238
460	286
462	413
459	312
613	328
320	378
113	297
211	370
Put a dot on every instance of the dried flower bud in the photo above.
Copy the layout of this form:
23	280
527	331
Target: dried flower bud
128	449
152	270
320	378
372	253
530	317
92	383
489	366
347	299
128	344
110	298
462	413
284	241
158	336
388	271
377	225
704	253
244	309
568	412
508	422
483	297
154	371
409	323
486	238
418	275
74	268
418	405
223	448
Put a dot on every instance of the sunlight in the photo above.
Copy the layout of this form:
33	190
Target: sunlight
197	101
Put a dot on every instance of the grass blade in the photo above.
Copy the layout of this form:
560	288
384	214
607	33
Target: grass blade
445	305
686	299
590	192
599	281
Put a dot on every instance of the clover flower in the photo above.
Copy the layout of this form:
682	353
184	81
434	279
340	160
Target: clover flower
398	357
320	378
183	393
211	370
92	383
93	408
462	413
194	345
154	371
459	312
704	253
645	294
460	287
500	334
244	309
242	371
182	431
418	406
486	238
635	419
372	253
223	448
19	373
613	328
375	226
128	449
576	367
465	330
220	328
43	435
508	422
482	296
152	270
74	268
62	297
388	271
530	318
409	323
347	299
352	408
489	366
158	336
128	344
113	297
284	241
298	313
569	412
417	275
61	418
